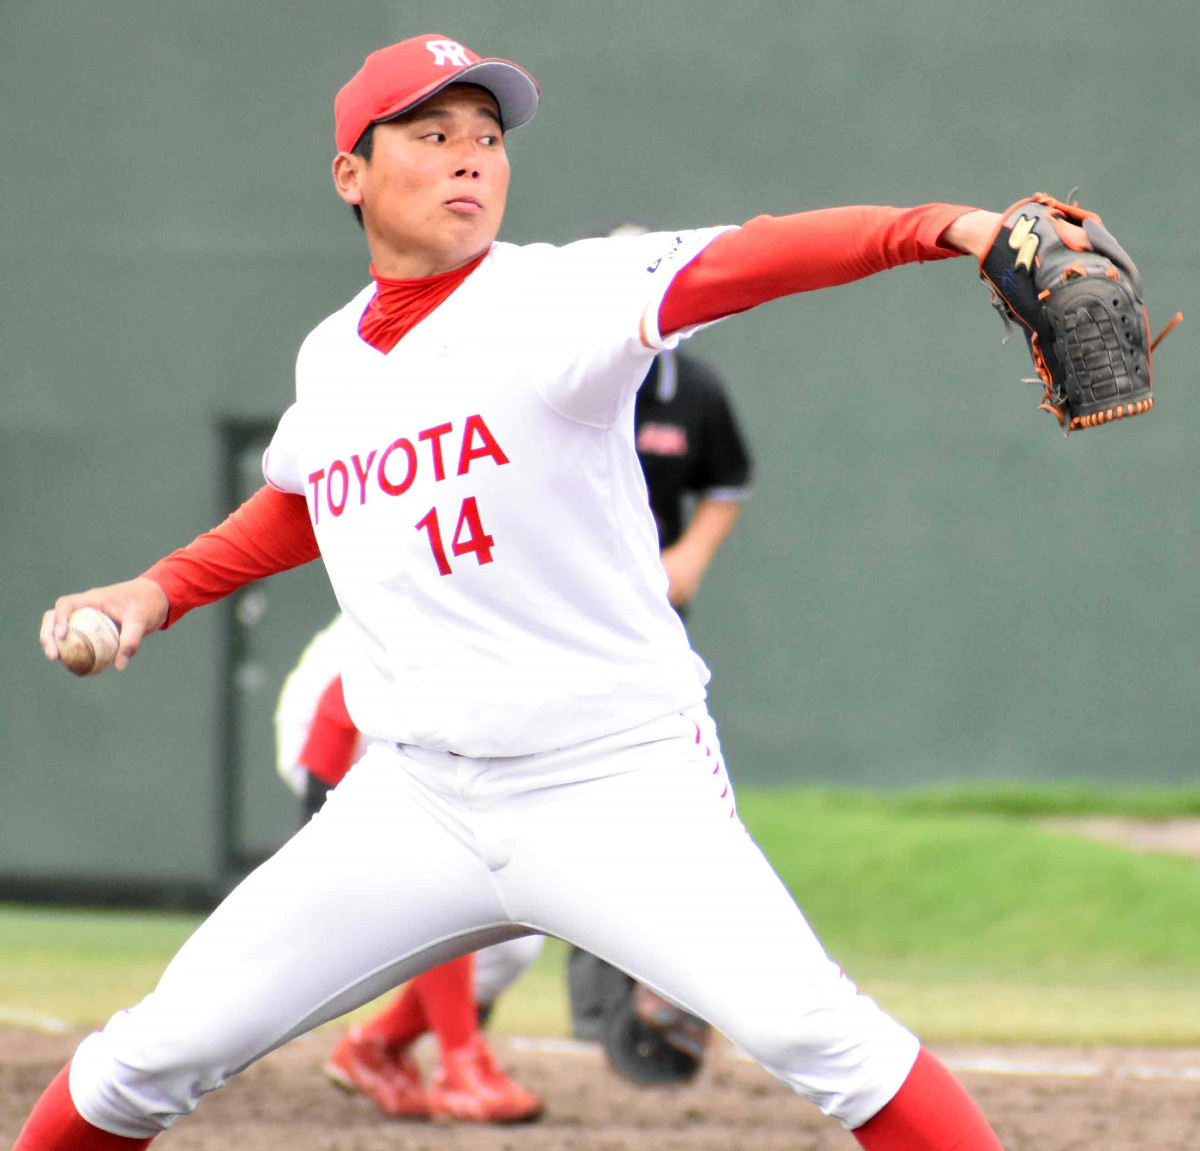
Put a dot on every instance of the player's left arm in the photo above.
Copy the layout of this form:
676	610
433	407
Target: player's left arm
774	256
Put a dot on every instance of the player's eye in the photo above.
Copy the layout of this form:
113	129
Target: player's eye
436	137
491	140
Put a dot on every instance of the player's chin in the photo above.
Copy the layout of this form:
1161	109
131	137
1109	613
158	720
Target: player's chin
468	235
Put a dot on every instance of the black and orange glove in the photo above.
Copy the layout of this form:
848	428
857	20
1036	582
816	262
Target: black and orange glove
1081	311
651	1041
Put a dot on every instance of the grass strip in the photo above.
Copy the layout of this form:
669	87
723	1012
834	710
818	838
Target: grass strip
1017	799
954	908
990	892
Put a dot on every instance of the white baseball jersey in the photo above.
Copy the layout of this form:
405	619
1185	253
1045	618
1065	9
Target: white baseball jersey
517	602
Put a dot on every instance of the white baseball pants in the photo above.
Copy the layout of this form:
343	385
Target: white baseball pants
628	846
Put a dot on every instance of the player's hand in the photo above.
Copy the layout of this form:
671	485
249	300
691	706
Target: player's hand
684	570
972	233
139	606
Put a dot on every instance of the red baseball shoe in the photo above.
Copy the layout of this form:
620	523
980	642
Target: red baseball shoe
390	1079
469	1087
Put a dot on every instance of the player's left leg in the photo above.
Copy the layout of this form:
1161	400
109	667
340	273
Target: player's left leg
649	867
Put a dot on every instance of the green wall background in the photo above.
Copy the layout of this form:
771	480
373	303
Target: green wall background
929	584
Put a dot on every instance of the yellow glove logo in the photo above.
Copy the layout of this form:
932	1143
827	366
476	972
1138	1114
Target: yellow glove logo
1024	242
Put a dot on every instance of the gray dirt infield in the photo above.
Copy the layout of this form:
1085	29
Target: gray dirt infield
1039	1099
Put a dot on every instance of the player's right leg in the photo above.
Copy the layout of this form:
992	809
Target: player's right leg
384	883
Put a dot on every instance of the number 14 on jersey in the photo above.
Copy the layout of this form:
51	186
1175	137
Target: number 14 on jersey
468	537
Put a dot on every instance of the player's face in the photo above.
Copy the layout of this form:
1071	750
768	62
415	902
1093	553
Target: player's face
433	193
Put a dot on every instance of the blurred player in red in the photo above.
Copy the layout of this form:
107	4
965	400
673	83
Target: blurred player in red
316	745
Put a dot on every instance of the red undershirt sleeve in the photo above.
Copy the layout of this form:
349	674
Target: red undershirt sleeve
773	256
328	751
269	533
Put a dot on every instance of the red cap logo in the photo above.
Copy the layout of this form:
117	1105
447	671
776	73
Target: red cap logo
450	52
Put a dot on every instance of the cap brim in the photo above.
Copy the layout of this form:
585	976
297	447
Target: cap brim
516	91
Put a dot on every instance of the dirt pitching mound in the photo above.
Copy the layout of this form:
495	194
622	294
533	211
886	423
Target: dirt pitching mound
1038	1100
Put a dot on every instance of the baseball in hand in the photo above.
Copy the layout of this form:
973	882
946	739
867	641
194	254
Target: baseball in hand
90	644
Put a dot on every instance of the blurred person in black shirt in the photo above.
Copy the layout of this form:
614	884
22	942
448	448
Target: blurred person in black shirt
691	449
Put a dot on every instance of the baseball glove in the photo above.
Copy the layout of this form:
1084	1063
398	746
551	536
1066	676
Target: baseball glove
1081	312
651	1041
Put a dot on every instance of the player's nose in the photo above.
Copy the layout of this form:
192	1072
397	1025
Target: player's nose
466	159
466	164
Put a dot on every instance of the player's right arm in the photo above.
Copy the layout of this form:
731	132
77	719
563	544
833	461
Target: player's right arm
269	533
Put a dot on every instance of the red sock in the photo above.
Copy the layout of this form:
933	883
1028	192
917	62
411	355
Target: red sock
447	994
55	1125
442	1000
401	1023
931	1112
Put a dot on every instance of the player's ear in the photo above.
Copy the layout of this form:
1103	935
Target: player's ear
347	176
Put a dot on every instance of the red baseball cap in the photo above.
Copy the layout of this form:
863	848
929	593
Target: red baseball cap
397	78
